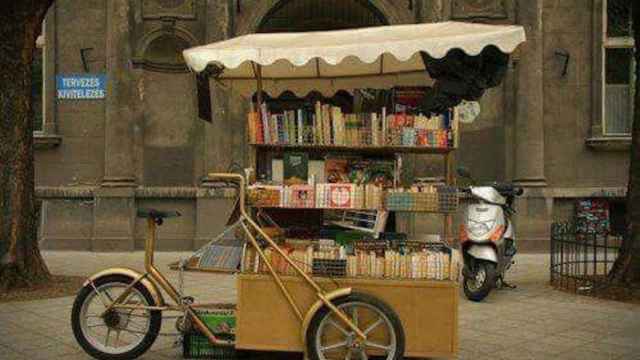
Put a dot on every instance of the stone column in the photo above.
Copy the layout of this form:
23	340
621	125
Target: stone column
213	206
217	135
118	157
114	211
529	124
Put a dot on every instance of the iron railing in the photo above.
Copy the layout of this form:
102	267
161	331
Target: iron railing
580	260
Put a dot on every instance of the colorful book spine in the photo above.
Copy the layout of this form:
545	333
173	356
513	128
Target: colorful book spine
300	121
265	123
319	133
326	125
375	130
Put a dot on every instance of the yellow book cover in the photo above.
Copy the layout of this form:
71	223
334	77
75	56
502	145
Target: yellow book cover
375	129
336	122
379	267
326	124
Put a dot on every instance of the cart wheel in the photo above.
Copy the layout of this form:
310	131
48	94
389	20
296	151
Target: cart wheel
120	334
329	338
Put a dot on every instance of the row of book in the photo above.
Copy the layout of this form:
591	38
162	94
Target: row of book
324	196
327	125
424	264
432	265
352	196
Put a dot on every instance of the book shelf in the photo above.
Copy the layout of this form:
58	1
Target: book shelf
261	154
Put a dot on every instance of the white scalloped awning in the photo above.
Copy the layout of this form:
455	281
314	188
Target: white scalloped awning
346	59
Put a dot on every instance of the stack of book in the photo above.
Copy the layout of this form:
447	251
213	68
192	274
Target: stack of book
333	260
265	195
429	198
328	125
431	265
340	196
299	196
303	258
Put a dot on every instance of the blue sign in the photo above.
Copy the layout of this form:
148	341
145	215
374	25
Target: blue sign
84	86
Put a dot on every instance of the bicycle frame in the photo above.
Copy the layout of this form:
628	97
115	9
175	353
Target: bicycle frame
248	224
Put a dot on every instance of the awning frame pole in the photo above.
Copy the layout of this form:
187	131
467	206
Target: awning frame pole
257	70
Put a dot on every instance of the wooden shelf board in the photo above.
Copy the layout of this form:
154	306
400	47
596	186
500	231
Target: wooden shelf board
312	208
346	225
355	149
343	209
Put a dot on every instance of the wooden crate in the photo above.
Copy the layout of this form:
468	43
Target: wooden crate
427	309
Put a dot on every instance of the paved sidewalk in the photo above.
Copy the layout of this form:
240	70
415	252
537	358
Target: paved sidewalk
531	322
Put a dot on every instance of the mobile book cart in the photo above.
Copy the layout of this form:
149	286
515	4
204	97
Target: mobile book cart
325	318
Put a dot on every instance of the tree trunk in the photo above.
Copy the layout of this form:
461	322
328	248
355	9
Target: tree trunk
20	259
626	269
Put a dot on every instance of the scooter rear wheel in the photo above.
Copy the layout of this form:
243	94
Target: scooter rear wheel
477	288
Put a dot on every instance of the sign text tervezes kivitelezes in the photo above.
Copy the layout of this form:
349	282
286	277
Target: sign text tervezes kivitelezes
81	86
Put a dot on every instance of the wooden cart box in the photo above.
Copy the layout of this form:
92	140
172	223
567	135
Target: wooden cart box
428	311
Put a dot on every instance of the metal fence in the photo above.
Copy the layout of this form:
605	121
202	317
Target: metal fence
581	261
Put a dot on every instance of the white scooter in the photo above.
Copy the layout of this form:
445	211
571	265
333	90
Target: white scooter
487	237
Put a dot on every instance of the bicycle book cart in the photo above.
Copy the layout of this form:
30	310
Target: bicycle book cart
372	302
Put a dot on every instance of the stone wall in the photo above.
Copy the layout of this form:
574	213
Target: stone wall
569	99
143	146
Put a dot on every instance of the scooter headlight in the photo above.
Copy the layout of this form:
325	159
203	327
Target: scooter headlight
480	228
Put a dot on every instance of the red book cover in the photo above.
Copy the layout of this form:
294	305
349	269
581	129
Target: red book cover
340	196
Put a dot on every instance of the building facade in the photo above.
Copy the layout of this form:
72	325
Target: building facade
559	123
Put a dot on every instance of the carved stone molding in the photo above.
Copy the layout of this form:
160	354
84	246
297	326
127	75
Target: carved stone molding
488	9
178	9
609	143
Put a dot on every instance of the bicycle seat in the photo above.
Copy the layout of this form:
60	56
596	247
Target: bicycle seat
157	214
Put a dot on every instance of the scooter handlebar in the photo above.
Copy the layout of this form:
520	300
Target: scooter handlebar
502	188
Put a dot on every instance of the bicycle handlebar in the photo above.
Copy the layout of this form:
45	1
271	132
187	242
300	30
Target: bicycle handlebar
228	176
234	178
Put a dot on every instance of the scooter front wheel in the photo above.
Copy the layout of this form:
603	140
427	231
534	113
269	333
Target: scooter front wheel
477	287
118	334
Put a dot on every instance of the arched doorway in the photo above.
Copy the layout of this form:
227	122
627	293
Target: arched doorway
318	15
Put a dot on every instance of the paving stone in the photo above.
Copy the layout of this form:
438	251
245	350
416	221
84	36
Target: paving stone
532	322
10	354
51	352
582	354
617	351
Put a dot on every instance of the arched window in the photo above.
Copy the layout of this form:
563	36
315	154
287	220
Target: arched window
164	53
